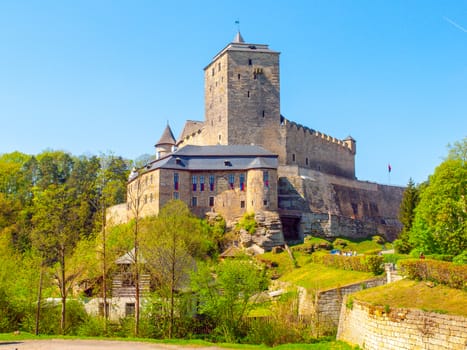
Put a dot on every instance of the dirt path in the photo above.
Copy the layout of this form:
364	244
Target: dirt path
65	344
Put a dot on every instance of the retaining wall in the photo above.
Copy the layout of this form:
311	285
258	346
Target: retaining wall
383	328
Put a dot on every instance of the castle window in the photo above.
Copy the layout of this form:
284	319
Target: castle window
194	181
145	198
150	179
231	181
293	157
211	201
266	179
220	137
265	203
306	160
254	76
176	195
248	93
263	113
250	62
150	198
242	204
213	71
176	181
211	183
219	67
201	183
242	182
194	201
238	76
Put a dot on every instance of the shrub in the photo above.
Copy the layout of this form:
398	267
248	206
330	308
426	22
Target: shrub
454	276
364	263
248	223
460	259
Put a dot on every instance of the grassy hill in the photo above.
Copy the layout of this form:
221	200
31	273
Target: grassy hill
418	295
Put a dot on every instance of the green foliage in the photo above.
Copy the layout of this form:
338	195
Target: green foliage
409	202
454	276
440	223
248	223
227	293
364	263
171	257
460	259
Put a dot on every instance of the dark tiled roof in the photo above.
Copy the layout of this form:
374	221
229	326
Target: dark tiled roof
167	137
217	158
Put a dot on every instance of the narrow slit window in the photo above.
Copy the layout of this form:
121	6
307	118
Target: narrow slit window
266	179
211	183
231	181
176	182
194	181
201	183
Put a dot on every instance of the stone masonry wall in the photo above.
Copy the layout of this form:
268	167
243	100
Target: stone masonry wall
314	150
333	206
326	304
380	328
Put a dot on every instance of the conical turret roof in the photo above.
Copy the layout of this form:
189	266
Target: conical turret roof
238	38
167	137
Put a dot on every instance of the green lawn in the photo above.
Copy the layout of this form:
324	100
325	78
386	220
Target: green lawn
417	295
310	275
319	277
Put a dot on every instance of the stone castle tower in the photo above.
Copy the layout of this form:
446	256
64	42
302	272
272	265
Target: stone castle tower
242	95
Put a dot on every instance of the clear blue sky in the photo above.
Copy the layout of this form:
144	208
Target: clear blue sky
97	76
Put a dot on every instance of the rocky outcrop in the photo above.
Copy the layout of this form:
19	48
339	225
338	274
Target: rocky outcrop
268	233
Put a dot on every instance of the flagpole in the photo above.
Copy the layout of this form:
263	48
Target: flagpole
389	173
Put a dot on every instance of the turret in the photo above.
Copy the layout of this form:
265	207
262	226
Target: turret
166	143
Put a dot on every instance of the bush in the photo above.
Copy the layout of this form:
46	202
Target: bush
460	259
454	276
394	258
248	223
364	263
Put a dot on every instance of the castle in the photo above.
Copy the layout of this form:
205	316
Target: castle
246	157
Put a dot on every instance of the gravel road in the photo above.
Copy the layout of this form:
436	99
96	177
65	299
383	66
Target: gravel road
62	344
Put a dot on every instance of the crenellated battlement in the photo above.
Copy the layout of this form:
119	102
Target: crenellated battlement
318	134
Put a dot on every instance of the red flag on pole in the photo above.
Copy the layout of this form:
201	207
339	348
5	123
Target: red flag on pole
389	168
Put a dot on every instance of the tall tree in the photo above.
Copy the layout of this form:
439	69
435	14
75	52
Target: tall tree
170	244
228	292
135	206
440	223
409	202
56	233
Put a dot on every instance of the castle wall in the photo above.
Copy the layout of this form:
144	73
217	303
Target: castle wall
332	206
314	150
157	188
380	328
